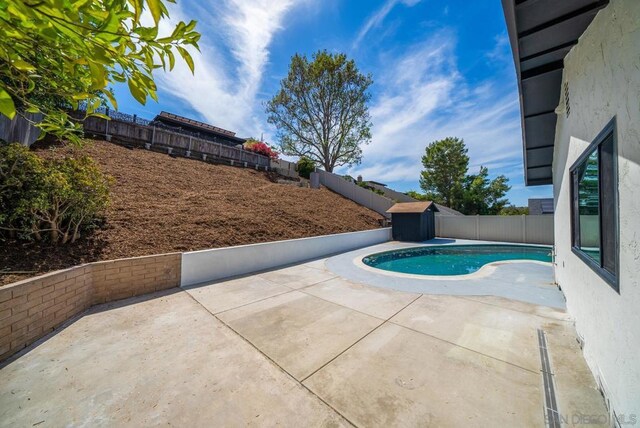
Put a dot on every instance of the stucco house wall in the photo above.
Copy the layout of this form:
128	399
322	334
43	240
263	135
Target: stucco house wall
603	76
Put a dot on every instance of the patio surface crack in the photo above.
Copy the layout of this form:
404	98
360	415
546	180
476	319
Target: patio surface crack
389	320
359	340
250	303
464	347
274	362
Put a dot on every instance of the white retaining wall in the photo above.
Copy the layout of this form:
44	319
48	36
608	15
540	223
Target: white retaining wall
218	263
530	229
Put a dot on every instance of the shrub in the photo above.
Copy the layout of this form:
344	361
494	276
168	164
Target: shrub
260	148
305	167
21	174
365	185
52	199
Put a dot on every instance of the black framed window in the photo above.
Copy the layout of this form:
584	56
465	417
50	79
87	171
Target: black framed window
594	206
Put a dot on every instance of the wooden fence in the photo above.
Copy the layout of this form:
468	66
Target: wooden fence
140	132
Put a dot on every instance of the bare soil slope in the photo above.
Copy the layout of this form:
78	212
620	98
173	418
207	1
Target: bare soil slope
162	204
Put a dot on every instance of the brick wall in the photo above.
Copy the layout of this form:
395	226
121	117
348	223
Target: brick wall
119	279
32	308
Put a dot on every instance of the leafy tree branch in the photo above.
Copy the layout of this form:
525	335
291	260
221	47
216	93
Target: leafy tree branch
56	55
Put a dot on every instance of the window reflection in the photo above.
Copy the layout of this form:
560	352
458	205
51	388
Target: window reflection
588	206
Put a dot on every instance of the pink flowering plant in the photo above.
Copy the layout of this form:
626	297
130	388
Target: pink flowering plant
260	148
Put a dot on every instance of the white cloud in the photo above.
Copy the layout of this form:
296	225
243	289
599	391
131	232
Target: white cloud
376	18
236	35
423	97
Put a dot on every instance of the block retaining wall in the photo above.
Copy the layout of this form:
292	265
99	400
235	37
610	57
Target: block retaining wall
34	307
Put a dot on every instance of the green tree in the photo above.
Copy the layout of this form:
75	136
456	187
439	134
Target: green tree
483	196
416	195
514	210
321	110
55	55
445	165
445	180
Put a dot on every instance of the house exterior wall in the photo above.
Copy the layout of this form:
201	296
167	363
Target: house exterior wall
603	76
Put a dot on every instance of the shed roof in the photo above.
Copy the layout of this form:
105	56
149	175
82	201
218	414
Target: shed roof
412	207
541	33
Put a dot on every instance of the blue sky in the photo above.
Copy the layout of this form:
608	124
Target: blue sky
440	68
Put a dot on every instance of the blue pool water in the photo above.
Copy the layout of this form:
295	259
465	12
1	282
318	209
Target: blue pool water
452	259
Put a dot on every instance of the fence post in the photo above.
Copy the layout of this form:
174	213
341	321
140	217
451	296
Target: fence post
153	134
477	226
524	229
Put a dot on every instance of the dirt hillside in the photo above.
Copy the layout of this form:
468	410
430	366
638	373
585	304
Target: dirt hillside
162	204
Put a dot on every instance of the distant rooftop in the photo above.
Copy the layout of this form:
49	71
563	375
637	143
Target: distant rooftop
219	135
447	211
181	120
539	206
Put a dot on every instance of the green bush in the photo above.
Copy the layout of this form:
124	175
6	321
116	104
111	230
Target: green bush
305	167
49	199
366	185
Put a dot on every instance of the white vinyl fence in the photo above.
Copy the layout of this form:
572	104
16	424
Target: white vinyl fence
284	167
359	195
530	229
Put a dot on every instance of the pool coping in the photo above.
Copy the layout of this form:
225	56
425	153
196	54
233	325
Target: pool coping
484	270
528	281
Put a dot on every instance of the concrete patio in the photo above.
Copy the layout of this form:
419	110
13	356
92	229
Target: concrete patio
300	346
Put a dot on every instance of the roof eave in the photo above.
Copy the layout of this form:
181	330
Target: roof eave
508	7
541	33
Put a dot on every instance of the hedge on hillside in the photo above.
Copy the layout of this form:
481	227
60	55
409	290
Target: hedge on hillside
51	200
305	167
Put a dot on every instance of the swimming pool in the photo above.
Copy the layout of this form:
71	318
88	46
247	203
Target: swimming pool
452	259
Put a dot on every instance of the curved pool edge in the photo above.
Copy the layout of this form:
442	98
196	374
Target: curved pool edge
527	281
484	270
